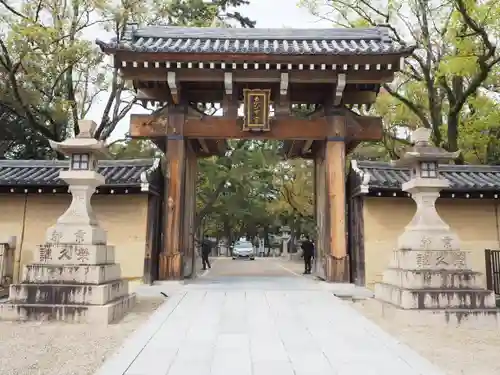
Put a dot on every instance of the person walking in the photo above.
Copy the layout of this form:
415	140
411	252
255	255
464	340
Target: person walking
206	248
308	254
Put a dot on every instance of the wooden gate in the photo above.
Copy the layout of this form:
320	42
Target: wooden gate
274	74
492	262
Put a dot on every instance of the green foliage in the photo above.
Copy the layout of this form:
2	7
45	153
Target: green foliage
447	82
133	149
52	74
252	191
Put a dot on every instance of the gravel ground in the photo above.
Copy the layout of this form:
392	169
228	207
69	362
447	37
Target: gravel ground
457	351
54	348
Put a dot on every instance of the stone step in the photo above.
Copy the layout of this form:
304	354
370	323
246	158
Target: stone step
435	298
70	274
67	294
430	279
428	259
110	312
75	254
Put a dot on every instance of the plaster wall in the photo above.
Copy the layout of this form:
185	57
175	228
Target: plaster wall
475	221
123	216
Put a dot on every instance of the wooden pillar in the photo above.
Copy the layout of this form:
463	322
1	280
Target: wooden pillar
337	262
321	244
171	260
151	238
189	213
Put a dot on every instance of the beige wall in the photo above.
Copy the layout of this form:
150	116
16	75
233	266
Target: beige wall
385	218
123	216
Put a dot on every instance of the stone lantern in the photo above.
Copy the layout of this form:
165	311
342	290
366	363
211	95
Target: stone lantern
426	230
429	277
74	277
285	236
82	177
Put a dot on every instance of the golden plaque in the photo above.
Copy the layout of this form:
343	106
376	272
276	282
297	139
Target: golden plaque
256	109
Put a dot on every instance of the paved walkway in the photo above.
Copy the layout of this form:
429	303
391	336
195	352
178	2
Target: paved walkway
271	326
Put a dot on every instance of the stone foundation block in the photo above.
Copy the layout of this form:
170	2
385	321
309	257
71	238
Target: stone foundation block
67	254
72	274
64	294
104	314
435	298
487	319
430	260
432	279
71	233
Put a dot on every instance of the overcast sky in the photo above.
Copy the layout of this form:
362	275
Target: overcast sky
282	13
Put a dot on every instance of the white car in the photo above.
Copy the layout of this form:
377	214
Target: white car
243	249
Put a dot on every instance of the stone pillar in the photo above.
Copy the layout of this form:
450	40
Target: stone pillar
74	277
428	270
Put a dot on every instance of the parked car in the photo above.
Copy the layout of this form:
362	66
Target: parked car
244	249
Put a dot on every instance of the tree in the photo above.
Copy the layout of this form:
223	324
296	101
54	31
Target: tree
450	69
253	191
52	76
233	191
133	149
18	140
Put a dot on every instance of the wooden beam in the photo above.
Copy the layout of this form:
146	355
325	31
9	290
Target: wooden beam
351	146
162	95
219	127
230	97
363	128
383	58
173	85
260	76
339	89
282	106
287	127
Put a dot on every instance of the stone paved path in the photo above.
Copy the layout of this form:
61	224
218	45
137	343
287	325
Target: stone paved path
267	326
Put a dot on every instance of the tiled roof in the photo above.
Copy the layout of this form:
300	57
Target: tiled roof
379	175
332	41
126	173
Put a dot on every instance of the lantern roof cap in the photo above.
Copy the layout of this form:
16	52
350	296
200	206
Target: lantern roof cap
83	143
422	149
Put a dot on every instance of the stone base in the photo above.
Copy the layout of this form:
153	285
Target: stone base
433	279
438	298
487	319
68	294
103	314
70	274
